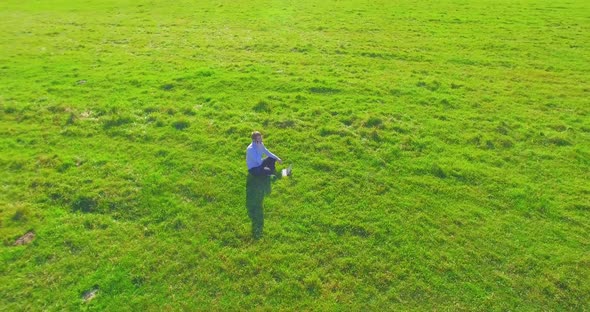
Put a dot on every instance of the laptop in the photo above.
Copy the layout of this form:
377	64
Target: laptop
287	172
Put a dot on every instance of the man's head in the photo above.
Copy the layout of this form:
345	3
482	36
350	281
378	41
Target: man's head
257	137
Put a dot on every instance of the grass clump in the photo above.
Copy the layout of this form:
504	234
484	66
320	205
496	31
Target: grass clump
117	121
262	106
84	204
181	124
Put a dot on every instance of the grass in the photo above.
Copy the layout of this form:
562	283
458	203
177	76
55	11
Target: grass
440	150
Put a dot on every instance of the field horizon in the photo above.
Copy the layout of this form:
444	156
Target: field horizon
440	152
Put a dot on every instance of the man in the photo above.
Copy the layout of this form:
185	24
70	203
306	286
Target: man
256	165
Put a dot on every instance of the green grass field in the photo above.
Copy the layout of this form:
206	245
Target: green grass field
441	154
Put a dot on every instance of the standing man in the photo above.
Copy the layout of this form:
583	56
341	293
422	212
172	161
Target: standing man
256	165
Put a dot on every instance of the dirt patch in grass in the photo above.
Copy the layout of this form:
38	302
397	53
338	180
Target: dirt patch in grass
25	239
90	294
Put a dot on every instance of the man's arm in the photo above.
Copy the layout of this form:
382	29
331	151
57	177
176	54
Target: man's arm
269	154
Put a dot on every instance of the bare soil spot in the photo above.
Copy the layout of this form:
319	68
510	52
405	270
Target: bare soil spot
25	239
90	294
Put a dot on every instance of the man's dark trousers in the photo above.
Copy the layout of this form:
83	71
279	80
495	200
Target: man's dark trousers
267	167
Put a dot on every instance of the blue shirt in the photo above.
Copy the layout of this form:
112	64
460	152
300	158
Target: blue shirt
254	154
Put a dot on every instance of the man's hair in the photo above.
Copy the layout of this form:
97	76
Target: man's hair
256	134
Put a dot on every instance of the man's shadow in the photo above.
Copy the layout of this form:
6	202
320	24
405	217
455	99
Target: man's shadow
257	187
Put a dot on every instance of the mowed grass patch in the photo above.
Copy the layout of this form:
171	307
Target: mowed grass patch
440	155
